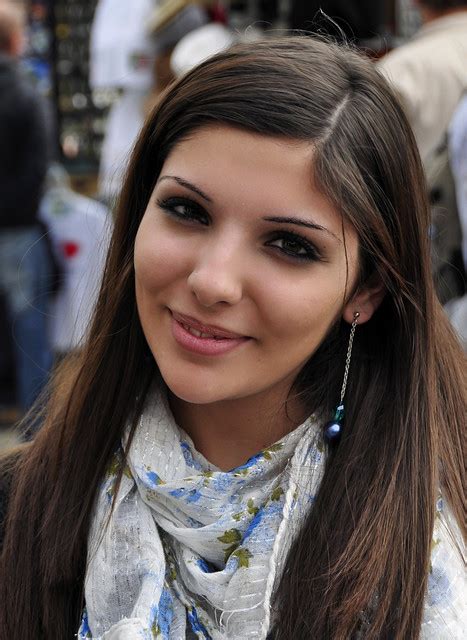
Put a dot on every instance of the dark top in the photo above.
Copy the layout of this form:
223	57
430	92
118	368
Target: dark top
23	147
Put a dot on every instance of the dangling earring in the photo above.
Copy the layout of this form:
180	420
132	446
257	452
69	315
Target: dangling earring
333	429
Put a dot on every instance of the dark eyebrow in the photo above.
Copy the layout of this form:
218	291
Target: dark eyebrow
301	223
279	219
187	185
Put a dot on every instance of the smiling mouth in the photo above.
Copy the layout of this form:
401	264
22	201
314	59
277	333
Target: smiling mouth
204	340
207	332
200	334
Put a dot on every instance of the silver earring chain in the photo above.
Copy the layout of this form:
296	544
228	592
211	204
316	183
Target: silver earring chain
349	355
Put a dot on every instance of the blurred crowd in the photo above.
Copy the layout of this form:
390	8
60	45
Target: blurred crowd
53	236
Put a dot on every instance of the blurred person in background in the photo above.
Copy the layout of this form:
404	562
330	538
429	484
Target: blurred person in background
79	230
130	51
457	143
25	267
429	74
458	159
121	55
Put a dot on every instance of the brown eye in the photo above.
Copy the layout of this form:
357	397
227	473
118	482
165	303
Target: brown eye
290	246
185	210
295	247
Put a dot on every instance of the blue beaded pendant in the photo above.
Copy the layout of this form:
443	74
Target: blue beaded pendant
333	429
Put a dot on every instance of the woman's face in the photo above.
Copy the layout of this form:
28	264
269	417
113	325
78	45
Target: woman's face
240	265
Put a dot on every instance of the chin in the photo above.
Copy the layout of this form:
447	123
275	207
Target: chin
194	392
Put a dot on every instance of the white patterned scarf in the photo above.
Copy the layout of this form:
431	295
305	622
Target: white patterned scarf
190	551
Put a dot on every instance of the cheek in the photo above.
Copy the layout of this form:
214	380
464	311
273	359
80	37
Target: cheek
158	258
301	313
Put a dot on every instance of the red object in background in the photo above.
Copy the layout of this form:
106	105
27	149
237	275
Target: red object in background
38	11
218	14
70	249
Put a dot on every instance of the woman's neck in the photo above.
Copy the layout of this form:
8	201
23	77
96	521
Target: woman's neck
228	433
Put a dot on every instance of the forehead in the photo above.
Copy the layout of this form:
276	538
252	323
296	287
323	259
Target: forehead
251	171
216	147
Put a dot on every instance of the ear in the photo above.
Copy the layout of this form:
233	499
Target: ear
365	300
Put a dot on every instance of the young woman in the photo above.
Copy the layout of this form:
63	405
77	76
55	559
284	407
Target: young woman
196	476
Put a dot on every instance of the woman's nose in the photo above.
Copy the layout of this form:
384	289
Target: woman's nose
217	279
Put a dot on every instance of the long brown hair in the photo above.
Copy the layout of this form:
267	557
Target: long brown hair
365	545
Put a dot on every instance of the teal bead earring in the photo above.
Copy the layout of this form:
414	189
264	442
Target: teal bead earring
333	429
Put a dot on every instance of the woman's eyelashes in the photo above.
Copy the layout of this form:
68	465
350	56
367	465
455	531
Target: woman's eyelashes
295	246
184	209
291	246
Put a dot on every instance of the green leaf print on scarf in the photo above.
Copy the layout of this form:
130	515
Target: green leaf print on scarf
277	493
116	464
243	556
273	449
252	510
207	477
232	537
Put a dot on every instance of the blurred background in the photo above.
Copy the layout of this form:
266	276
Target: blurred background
77	84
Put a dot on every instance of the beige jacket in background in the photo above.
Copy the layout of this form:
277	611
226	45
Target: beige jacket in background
430	74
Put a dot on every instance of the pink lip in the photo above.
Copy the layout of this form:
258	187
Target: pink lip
224	341
217	332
